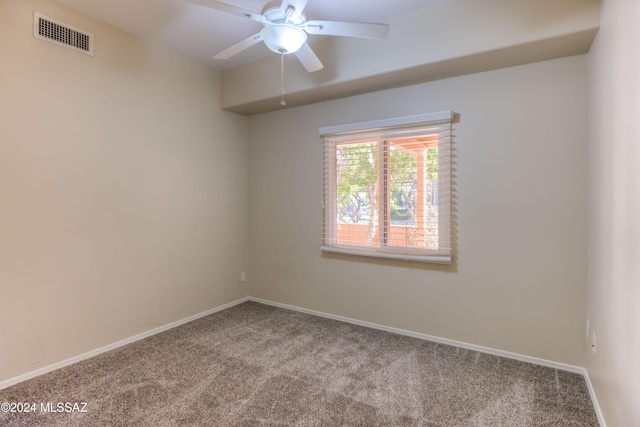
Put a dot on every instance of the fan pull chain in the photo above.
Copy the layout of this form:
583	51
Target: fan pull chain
283	102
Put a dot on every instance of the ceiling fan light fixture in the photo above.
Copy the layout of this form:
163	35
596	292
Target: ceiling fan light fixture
283	38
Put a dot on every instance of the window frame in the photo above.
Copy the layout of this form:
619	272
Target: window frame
333	135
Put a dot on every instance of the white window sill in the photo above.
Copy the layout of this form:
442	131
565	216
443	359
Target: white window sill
434	259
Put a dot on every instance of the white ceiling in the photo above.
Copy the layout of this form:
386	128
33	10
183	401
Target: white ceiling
198	33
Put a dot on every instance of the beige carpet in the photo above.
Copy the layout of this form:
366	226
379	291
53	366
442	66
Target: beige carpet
256	365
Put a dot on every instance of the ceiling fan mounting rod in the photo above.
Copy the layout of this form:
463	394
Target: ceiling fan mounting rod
289	12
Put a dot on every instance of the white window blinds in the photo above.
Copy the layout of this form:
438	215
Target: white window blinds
387	188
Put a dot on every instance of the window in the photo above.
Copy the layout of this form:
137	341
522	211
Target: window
387	188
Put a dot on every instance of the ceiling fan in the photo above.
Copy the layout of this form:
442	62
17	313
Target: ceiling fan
286	28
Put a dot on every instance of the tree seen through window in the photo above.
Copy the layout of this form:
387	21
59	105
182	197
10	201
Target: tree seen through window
387	191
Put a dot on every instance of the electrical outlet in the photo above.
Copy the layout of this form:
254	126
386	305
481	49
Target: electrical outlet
593	343
243	277
588	328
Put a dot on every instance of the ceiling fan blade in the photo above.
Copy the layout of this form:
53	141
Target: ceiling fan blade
348	29
238	47
224	7
308	58
297	5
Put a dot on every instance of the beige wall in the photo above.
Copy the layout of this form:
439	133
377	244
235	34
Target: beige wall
123	191
519	280
614	213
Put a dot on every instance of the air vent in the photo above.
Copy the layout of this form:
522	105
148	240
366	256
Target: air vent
54	31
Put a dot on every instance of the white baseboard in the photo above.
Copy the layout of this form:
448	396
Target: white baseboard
461	344
83	356
594	399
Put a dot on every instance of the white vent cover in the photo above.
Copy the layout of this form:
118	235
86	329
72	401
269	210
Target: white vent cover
54	31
